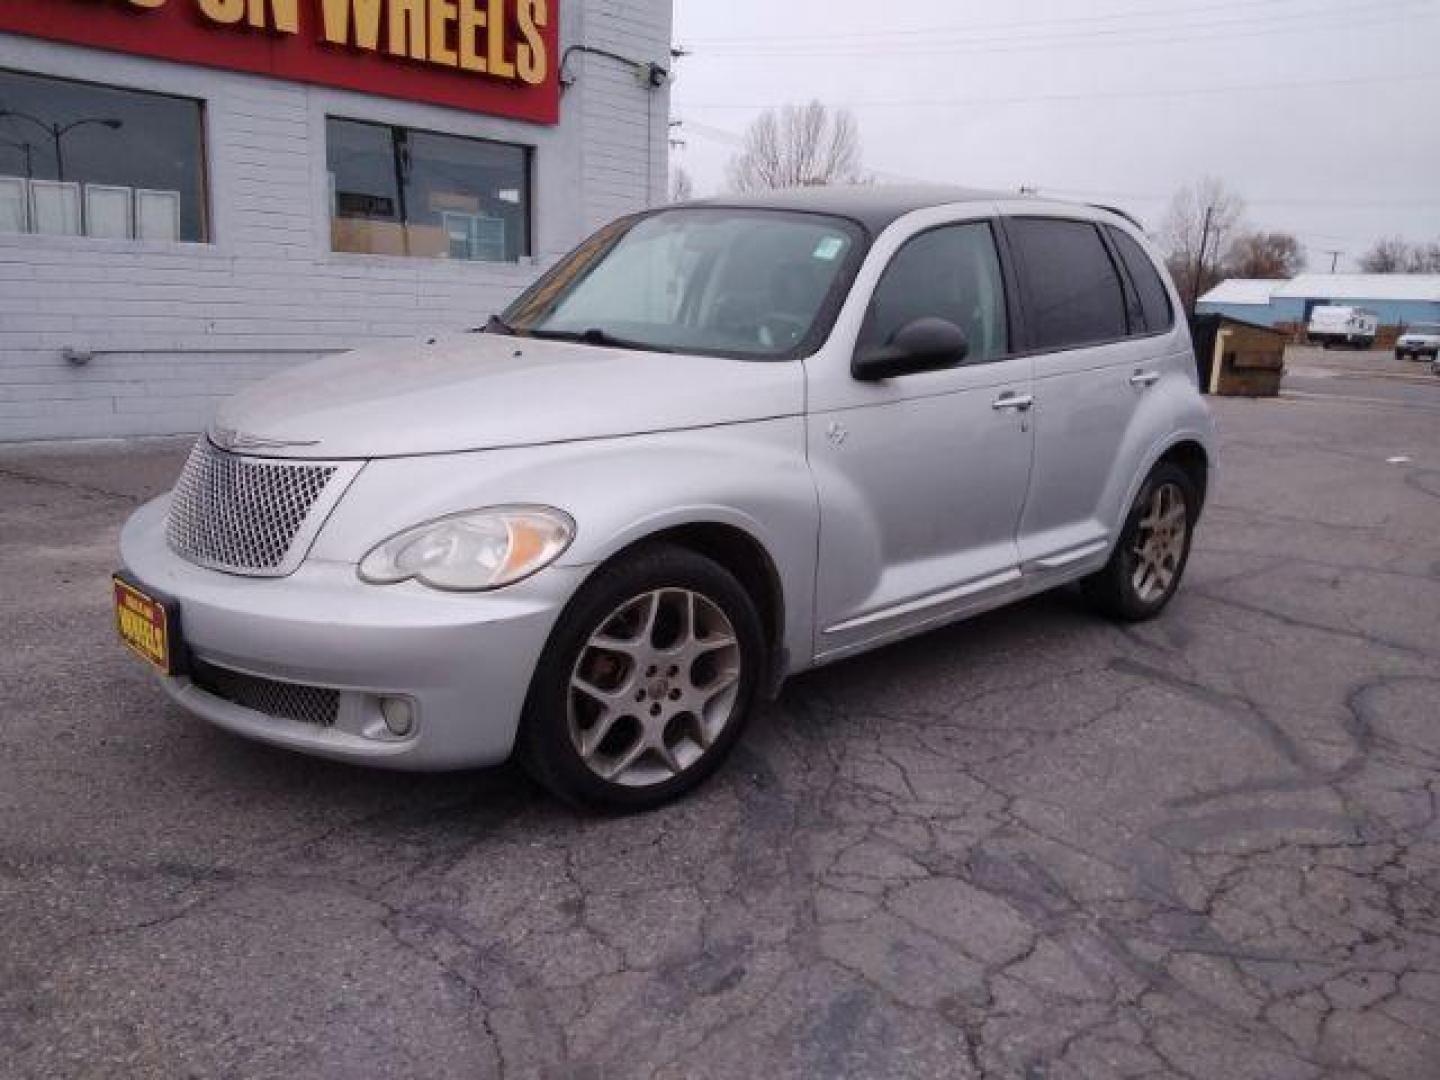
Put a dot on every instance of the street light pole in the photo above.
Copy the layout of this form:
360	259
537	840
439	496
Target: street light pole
58	131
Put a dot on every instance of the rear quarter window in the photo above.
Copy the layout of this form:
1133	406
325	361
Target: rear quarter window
1155	305
1071	288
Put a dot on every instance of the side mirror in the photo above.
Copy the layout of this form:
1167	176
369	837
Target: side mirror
927	344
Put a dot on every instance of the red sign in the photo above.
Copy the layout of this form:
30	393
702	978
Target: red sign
487	56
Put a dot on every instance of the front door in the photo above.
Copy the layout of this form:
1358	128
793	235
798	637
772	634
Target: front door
922	477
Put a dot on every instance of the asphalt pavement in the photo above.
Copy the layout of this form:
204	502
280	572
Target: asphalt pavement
1035	845
1373	377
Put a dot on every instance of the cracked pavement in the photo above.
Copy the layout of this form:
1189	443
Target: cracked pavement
1034	845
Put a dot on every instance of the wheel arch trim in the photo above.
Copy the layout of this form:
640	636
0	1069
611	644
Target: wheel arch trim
737	542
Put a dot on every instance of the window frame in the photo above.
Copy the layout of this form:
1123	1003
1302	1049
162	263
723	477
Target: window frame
1117	255
826	315
1008	286
528	150
1011	252
205	211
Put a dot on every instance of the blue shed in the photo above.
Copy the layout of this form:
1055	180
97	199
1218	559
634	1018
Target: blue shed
1246	299
1399	300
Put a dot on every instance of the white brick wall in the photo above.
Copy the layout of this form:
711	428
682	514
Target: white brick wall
177	327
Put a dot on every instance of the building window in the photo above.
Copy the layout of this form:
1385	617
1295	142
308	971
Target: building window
397	191
79	159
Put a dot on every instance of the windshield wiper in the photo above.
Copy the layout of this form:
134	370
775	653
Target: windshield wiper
595	335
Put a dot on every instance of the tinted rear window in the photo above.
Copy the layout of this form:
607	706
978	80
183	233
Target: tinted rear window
1154	299
1072	291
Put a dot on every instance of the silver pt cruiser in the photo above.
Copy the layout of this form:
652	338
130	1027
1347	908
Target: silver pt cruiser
715	445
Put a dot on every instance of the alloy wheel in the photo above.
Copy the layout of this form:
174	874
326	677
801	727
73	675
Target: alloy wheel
654	687
1159	545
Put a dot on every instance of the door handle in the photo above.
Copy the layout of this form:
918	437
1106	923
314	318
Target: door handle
1143	379
1013	401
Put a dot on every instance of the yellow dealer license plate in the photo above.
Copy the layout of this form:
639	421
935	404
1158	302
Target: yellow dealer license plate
148	626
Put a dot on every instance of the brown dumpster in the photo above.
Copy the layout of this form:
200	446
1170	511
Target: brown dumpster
1237	358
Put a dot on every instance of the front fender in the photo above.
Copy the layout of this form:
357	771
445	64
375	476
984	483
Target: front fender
753	477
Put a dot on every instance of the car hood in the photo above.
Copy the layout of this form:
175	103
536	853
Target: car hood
483	391
1418	339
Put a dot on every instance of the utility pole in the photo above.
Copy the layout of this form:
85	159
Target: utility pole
1334	258
1200	260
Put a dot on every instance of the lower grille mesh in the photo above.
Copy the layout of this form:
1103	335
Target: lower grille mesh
305	704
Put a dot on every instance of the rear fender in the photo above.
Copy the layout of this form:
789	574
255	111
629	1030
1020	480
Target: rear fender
1169	413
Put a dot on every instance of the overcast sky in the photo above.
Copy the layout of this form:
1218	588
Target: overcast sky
1323	114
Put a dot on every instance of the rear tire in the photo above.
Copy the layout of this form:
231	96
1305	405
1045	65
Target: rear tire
646	683
1154	546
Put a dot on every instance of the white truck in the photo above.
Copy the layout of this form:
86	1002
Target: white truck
1333	324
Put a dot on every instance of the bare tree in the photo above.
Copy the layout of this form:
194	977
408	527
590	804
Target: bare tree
1388	256
1396	256
800	146
681	186
1202	221
1264	255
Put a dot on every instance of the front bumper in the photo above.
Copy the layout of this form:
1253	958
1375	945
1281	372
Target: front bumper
462	660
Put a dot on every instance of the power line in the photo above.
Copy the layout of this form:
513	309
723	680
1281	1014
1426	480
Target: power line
1093	95
933	31
732	138
1226	29
718	134
1303	201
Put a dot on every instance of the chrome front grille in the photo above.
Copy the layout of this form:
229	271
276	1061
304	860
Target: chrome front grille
242	514
314	705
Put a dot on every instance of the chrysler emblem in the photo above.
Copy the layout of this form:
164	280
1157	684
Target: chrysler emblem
231	439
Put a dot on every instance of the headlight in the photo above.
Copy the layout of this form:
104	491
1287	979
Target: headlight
474	550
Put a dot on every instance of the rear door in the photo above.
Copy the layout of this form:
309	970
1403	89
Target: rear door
1093	362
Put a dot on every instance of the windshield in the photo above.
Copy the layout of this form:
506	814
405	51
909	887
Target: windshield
730	282
1426	328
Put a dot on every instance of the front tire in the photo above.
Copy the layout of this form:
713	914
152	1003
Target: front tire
1154	546
646	683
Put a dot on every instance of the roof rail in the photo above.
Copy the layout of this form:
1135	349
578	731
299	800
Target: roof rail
1119	213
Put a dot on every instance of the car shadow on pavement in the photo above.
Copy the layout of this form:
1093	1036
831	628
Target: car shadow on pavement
1001	636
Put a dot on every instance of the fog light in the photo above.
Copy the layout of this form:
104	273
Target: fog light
399	716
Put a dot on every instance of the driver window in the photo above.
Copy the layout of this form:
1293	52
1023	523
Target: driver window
951	273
